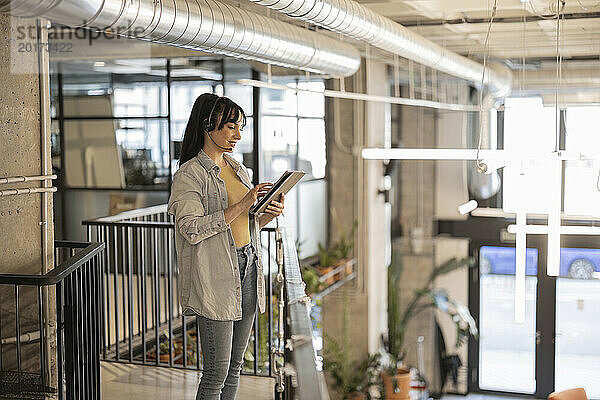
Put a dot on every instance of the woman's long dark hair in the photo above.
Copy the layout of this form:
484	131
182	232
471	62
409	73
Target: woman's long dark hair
193	139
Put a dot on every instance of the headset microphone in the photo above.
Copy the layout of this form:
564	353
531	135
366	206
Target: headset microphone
221	147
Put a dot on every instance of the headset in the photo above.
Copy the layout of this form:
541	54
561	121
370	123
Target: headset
208	126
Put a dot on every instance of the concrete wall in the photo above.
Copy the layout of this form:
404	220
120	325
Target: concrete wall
428	190
353	192
417	128
21	223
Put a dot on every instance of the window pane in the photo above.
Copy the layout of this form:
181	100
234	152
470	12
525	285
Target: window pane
279	102
183	96
506	349
83	79
581	177
278	144
242	95
313	216
137	88
311	147
528	125
578	321
140	99
190	68
144	144
311	104
92	156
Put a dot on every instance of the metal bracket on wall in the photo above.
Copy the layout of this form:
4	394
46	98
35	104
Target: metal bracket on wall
18	191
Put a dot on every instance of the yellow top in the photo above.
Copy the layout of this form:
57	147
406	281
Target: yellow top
235	192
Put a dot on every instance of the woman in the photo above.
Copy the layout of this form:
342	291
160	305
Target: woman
217	241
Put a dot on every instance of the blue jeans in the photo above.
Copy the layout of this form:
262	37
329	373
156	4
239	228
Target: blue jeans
224	342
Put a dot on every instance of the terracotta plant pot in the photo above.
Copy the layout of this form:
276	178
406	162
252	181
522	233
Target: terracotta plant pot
397	387
342	271
356	396
322	271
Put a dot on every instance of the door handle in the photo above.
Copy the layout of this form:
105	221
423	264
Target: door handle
538	338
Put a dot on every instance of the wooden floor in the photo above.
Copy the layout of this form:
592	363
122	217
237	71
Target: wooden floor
136	382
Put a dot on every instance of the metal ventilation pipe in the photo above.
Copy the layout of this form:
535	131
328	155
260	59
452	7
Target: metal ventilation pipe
200	24
355	20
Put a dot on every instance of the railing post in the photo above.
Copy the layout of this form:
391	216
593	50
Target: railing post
279	350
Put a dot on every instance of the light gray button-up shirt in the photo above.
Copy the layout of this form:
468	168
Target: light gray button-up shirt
208	267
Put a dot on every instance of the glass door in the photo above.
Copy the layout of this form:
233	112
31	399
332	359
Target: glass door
507	350
556	347
578	321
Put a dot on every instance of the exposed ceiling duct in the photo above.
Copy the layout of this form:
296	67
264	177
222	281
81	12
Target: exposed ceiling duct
571	79
200	24
357	21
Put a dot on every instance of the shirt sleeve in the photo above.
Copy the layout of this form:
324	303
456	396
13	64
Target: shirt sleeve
191	219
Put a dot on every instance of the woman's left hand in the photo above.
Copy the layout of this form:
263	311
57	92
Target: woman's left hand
275	208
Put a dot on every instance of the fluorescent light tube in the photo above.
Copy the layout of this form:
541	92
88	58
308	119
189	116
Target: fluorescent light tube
498	157
553	260
467	207
365	97
564	230
429	154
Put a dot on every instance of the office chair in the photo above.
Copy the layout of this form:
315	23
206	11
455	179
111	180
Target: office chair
570	394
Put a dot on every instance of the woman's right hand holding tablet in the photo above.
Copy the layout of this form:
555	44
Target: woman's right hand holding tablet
255	193
247	201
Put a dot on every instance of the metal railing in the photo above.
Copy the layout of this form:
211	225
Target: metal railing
142	321
52	318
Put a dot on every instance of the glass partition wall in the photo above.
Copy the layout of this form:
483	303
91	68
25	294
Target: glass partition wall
117	127
553	349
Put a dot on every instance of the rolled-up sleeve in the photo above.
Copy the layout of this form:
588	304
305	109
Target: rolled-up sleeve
186	205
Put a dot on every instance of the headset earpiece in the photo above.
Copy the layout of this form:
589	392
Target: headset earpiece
209	126
208	123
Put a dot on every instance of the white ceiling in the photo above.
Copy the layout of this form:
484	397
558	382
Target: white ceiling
510	37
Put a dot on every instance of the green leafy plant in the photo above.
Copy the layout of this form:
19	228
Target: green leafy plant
424	298
344	246
349	376
326	257
310	276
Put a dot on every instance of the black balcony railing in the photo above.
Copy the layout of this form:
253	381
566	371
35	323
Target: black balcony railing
142	322
52	319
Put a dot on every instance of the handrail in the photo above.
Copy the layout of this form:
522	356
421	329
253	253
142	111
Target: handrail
144	224
52	277
138	212
311	382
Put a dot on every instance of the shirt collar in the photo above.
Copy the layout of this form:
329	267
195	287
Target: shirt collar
209	164
206	161
233	162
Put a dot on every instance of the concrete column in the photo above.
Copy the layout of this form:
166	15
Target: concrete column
353	195
26	237
417	128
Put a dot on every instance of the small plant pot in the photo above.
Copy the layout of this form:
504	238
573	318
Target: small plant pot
356	396
396	387
325	270
349	268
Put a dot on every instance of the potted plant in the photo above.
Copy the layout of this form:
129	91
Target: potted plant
326	261
352	379
395	376
337	255
343	248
